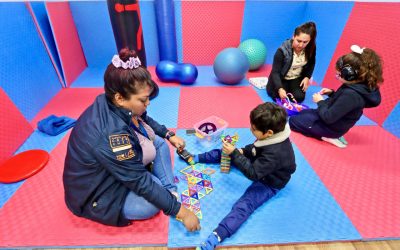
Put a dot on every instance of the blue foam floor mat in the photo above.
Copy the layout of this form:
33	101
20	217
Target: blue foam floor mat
304	211
164	108
37	140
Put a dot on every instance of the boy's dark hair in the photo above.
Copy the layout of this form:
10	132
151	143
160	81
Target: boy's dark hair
268	116
126	82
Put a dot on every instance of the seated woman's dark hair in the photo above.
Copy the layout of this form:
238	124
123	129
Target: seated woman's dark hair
310	29
268	116
126	81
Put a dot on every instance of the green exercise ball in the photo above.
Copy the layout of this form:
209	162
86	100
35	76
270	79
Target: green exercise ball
255	51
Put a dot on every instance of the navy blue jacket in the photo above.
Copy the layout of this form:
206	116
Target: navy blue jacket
104	163
344	107
270	161
283	59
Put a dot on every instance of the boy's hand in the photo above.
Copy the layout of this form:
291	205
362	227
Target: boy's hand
189	219
227	148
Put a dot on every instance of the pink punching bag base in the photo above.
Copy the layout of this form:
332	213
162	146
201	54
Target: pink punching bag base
23	165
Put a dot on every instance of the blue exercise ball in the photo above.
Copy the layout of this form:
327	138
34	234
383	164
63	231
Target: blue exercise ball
231	65
169	71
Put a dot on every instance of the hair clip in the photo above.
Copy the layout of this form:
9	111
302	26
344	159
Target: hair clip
357	49
133	62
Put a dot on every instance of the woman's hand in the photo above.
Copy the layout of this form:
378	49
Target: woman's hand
189	219
177	142
227	148
305	83
282	93
317	97
325	91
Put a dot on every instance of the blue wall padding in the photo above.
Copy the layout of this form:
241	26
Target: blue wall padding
178	25
95	33
304	211
165	19
392	122
91	77
331	18
37	140
271	22
26	72
39	10
148	16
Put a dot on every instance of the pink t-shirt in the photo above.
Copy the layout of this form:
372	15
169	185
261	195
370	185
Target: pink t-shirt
148	148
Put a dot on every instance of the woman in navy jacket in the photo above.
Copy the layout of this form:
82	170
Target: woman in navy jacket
118	166
293	64
361	74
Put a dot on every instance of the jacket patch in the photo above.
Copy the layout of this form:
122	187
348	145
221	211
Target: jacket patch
120	142
125	156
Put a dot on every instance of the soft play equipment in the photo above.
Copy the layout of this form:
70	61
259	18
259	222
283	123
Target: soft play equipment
127	26
184	73
165	18
231	65
255	51
23	165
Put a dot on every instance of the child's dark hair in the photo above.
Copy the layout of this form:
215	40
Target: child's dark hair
268	116
310	29
368	66
128	81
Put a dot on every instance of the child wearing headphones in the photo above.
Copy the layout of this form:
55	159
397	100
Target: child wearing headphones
361	75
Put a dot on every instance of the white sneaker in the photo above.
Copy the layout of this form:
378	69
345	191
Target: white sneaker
335	142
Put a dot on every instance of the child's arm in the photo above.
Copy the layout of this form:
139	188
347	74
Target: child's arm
256	170
344	104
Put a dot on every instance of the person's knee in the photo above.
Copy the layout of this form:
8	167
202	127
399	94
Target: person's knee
300	96
160	142
146	212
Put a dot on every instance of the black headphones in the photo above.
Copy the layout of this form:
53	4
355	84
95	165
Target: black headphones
346	71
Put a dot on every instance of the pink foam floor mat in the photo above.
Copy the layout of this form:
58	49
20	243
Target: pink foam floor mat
36	216
363	178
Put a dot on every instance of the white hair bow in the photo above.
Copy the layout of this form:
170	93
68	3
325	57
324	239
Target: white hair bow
357	49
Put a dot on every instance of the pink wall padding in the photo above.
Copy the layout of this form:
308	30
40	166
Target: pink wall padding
36	216
66	37
373	25
209	27
15	129
363	178
69	102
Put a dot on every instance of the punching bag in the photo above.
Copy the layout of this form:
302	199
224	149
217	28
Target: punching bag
127	26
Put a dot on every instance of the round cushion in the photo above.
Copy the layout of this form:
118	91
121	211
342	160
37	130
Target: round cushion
23	165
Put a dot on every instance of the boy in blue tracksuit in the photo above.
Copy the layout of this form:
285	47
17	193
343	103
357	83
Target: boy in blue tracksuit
268	162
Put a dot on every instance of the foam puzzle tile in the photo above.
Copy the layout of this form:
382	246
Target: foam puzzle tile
363	177
55	226
305	202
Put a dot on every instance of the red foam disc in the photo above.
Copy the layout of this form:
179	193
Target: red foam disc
23	165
